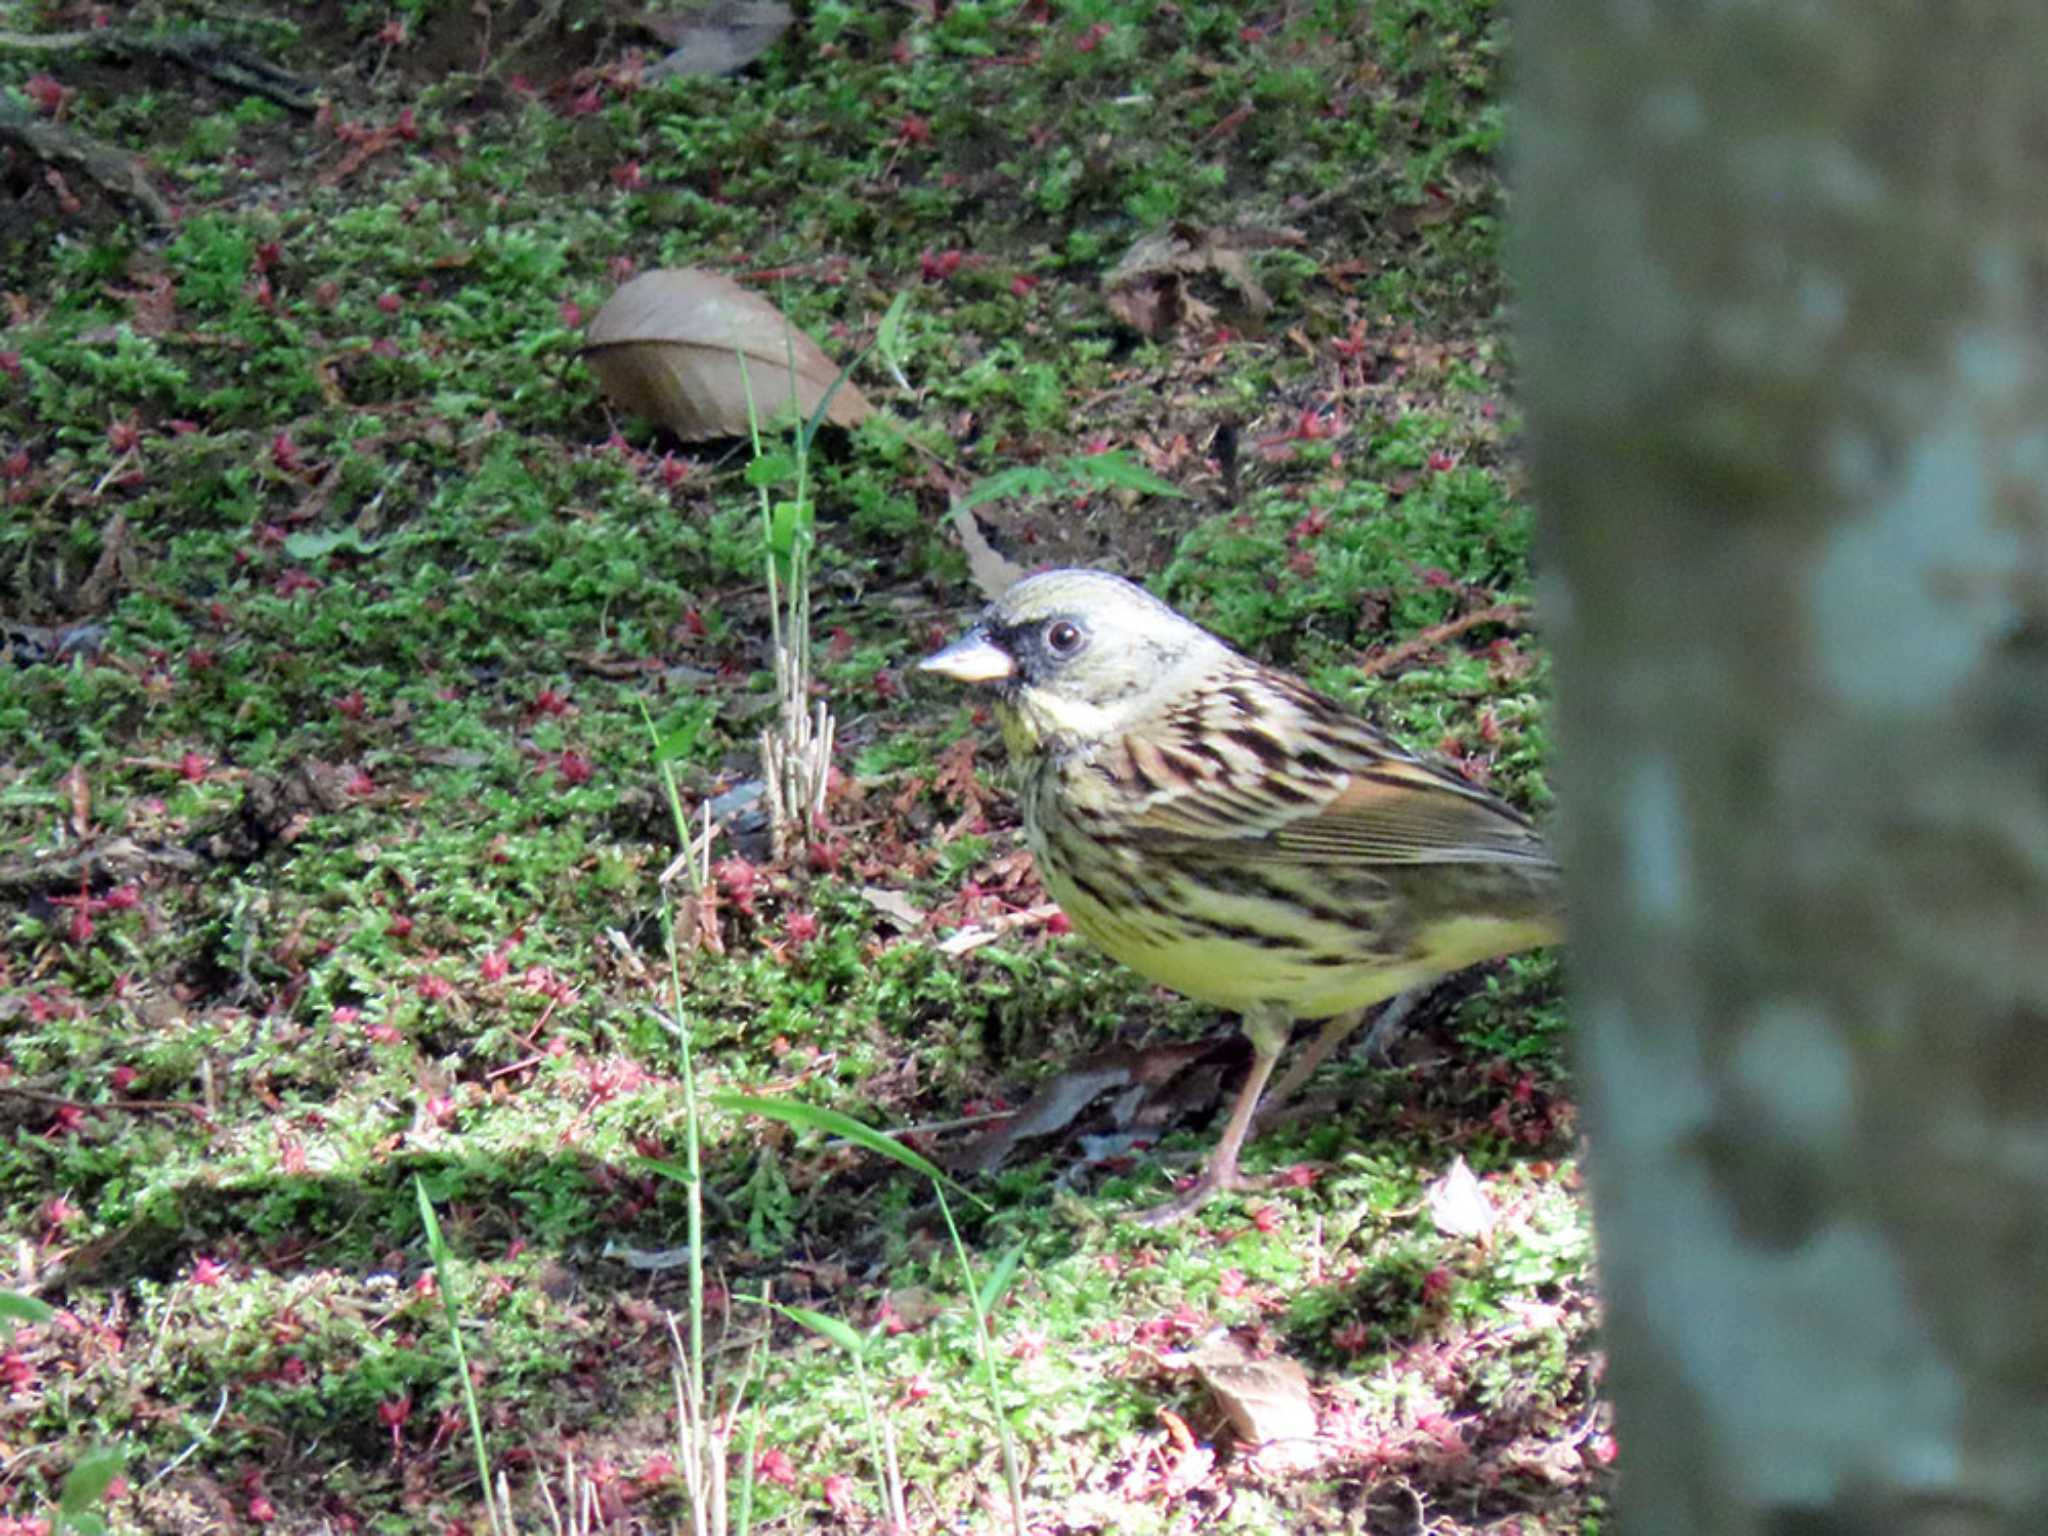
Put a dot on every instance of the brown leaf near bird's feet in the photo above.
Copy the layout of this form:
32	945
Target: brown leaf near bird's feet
1129	1093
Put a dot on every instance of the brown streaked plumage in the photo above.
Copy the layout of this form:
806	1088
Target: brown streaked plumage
1228	832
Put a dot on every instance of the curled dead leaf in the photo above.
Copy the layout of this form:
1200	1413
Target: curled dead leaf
685	347
993	573
969	939
1139	1089
914	1306
894	906
721	38
1458	1205
1147	289
1265	1397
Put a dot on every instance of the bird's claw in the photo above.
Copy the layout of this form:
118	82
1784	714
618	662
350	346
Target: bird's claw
1211	1182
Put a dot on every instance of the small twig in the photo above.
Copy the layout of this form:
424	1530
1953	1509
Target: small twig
118	468
206	54
826	269
199	51
132	1106
47	42
119	172
1511	615
117	859
939	1127
204	1435
653	1260
546	16
695	860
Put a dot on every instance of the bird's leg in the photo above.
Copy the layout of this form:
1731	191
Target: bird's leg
1333	1034
1267	1029
1392	1023
1386	1028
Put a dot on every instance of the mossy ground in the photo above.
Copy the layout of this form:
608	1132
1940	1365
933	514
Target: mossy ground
337	608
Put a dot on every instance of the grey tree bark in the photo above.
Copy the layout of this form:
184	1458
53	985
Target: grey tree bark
1785	272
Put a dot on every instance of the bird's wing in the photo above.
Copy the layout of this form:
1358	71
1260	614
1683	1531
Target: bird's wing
1405	810
1262	766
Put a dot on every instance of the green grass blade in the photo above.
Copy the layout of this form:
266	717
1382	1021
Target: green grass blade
998	1280
676	1171
1122	471
985	1348
444	1270
817	419
85	1485
1021	480
17	1308
889	334
813	1118
832	1328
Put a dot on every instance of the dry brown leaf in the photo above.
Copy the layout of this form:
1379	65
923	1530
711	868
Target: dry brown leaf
115	568
1457	1203
967	940
1266	1398
1053	1108
717	39
1151	305
993	574
1143	1080
1230	263
152	302
697	922
683	347
79	792
1556	1462
893	905
1147	288
1435	208
915	1306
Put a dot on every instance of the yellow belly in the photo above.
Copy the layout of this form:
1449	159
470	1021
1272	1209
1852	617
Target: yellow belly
1242	951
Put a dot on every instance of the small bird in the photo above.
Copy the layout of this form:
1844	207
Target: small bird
1224	830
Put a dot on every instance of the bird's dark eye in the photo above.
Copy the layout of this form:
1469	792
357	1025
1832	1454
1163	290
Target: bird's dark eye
1063	636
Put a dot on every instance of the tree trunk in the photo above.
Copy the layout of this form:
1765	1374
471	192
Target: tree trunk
1785	269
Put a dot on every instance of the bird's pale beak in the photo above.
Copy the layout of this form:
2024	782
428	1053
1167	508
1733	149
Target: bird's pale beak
973	658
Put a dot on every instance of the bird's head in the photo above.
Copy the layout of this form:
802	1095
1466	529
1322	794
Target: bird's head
1076	657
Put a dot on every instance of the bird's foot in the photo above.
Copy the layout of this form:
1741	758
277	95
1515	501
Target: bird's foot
1213	1180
